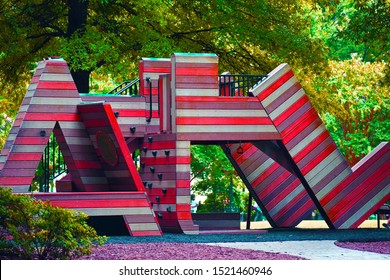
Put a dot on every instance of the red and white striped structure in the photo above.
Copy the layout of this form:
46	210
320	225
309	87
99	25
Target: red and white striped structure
273	137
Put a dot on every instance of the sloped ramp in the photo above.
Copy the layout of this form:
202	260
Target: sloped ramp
345	196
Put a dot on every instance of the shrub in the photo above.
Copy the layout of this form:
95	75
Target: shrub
34	229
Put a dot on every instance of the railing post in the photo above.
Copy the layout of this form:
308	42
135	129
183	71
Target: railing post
149	80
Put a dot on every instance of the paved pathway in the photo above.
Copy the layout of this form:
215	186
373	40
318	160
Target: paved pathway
313	250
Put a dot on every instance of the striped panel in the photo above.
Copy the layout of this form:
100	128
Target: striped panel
335	185
80	157
363	192
131	110
283	199
152	68
51	96
122	174
20	116
133	206
165	171
221	118
195	74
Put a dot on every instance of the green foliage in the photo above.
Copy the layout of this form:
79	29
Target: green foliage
5	126
359	115
248	36
212	176
33	229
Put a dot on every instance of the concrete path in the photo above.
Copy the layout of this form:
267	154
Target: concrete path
313	250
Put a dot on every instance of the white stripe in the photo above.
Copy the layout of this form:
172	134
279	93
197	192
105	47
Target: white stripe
183	199
55	101
279	92
71	125
195	58
260	169
286	200
287	104
37	124
337	180
320	169
143	226
221	113
113	211
78	141
197	92
56	77
94	180
117	173
273	76
358	214
139	105
307	140
226	128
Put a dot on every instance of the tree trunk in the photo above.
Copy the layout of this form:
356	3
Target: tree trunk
77	19
81	79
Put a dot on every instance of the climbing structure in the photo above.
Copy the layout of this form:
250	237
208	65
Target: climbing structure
271	134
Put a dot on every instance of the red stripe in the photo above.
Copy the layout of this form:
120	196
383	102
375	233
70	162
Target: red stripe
283	194
56	85
271	187
300	124
197	71
31	140
249	150
81	164
166	160
157	145
182	184
290	204
375	207
97	123
25	156
318	159
357	194
184	216
275	85
151	69
51	117
311	146
130	113
111	203
7	181
146	233
208	99
299	214
339	188
223	121
292	109
264	174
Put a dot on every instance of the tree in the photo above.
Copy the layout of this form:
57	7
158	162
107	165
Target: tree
248	36
212	175
359	118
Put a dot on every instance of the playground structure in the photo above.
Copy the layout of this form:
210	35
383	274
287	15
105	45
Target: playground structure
269	131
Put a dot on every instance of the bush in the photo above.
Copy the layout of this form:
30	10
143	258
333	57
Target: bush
34	229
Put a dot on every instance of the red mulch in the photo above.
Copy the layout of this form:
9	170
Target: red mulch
179	251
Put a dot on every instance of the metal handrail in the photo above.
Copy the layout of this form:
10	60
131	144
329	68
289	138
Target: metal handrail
238	84
130	88
52	165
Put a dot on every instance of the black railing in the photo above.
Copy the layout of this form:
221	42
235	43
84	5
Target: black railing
52	165
238	85
130	88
